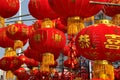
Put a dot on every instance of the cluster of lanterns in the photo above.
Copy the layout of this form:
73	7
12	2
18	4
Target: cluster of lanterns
46	37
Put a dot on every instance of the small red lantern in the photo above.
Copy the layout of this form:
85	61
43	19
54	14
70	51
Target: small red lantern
18	31
9	8
40	9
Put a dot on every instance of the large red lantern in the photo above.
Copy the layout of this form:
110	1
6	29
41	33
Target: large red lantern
82	8
40	9
18	31
100	42
9	8
48	40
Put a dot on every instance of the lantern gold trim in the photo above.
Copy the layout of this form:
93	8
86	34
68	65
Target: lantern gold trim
103	21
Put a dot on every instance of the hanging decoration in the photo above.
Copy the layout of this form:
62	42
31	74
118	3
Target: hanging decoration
75	11
100	42
9	8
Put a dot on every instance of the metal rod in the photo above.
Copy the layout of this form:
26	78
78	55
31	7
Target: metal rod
104	3
22	20
19	16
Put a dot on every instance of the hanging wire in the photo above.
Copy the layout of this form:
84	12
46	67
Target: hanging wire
104	3
18	16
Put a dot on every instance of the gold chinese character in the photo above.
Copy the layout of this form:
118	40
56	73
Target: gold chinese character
12	29
84	41
57	37
37	37
113	41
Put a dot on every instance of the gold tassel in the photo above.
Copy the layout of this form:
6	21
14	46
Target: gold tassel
2	22
116	19
9	75
103	69
75	24
9	52
47	23
18	44
48	59
44	68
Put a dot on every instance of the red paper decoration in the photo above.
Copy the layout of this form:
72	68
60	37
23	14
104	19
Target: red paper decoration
40	9
9	8
82	8
99	42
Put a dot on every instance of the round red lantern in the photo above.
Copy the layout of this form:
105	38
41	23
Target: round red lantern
40	9
82	8
9	8
99	42
47	40
18	31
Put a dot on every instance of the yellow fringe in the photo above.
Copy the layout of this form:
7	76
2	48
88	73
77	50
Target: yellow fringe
103	69
75	24
9	75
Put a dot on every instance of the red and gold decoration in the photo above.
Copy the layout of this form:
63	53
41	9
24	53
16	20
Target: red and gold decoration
100	42
9	8
75	11
11	61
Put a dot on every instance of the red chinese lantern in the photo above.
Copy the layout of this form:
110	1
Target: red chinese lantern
40	9
100	42
75	11
82	8
48	40
113	11
9	8
18	31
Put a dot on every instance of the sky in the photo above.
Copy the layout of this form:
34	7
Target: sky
24	10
